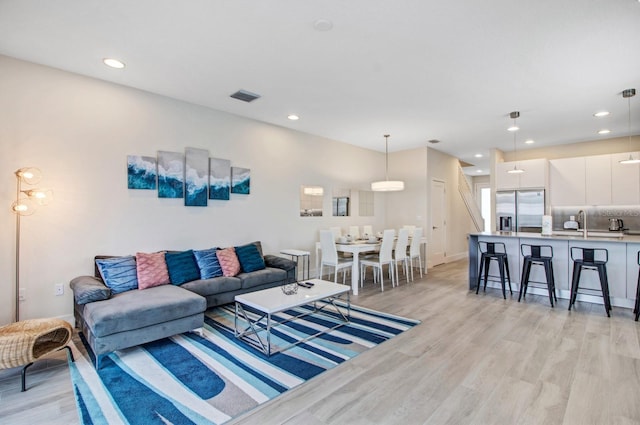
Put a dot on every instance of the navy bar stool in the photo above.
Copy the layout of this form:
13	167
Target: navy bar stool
636	310
537	255
591	259
489	253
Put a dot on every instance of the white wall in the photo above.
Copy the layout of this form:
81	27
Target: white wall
79	131
459	224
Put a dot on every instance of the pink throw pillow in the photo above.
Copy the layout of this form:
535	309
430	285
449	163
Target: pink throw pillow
152	270
228	261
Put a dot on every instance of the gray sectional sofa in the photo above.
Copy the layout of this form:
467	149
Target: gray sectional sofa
111	322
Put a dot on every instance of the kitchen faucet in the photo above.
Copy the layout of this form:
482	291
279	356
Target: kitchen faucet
584	222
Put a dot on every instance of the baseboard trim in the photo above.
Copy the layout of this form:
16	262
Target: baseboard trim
451	258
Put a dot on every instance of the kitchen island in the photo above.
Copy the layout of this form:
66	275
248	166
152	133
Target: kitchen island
622	268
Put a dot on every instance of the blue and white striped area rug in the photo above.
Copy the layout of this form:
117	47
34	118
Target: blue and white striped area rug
210	379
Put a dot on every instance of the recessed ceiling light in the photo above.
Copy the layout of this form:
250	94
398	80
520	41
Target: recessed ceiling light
529	142
113	63
604	131
602	113
293	117
513	128
323	25
478	171
478	155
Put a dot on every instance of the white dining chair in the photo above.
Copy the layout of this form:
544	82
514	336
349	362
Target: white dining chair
410	228
367	229
385	257
400	253
330	256
354	231
414	250
337	233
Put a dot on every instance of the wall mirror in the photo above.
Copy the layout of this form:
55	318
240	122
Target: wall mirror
341	202
311	201
365	204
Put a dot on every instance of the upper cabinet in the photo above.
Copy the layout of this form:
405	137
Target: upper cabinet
567	181
535	175
625	180
594	180
598	180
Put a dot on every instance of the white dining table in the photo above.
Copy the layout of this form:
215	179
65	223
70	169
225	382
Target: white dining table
356	248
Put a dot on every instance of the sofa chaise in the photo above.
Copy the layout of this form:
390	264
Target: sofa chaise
113	318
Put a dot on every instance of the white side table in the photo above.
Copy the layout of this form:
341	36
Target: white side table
295	256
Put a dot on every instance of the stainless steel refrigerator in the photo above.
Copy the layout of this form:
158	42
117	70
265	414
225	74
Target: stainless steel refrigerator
520	210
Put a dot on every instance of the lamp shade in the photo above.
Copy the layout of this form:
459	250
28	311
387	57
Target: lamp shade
387	186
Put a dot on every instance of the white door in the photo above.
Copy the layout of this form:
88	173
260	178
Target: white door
437	240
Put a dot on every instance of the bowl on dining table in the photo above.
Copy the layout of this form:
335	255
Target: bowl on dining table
372	239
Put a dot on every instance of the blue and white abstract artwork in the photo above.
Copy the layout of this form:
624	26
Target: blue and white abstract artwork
196	177
219	179
141	172
240	180
170	175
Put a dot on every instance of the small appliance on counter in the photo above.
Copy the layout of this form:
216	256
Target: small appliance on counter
571	224
616	224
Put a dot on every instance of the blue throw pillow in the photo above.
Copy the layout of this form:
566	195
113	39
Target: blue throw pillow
250	258
119	273
182	267
208	263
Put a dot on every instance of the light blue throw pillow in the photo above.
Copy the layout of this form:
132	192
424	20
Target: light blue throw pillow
208	263
119	273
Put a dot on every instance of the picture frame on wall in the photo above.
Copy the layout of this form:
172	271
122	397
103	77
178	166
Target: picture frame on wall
219	179
170	174
142	172
196	177
240	180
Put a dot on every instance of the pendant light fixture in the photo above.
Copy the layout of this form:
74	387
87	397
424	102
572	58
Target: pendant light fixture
628	94
387	185
514	128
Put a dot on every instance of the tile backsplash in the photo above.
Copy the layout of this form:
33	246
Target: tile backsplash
598	217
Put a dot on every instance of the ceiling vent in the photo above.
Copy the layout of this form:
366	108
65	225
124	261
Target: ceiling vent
245	96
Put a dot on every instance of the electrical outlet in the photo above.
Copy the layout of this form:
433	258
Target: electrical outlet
59	289
22	295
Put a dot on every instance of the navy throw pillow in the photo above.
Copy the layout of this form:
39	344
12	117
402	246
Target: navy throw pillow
250	258
182	267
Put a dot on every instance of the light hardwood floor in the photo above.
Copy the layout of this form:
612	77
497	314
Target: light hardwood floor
475	359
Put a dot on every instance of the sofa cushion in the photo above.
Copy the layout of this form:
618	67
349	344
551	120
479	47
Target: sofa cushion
208	263
250	258
206	287
119	273
182	267
152	270
260	277
228	261
137	309
87	289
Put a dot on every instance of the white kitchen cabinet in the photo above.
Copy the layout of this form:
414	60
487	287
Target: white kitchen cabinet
625	180
536	172
535	175
567	181
598	180
505	180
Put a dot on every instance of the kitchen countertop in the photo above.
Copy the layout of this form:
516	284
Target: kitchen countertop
566	235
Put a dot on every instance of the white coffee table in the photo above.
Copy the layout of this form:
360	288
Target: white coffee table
264	304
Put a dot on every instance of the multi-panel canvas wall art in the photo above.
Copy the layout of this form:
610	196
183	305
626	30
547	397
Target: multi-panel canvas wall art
196	177
192	176
240	180
219	179
141	172
170	175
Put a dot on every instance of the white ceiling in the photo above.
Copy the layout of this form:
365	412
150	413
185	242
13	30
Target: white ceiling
416	69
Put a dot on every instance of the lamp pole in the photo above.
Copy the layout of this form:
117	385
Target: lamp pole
18	191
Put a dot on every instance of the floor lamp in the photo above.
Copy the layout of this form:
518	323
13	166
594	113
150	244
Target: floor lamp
25	204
